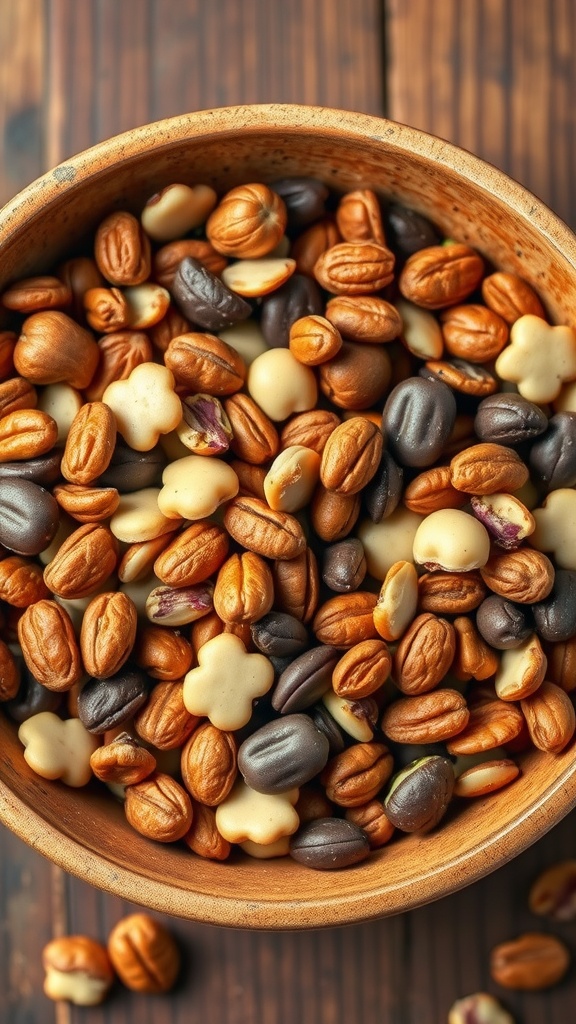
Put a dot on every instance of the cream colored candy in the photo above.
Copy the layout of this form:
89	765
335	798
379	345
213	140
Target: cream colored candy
421	331
226	681
77	987
138	517
397	601
555	530
452	540
292	478
66	527
247	338
345	713
521	670
62	402
539	358
58	749
281	385
195	486
261	851
173	447
390	541
145	405
77	969
246	815
147	304
566	401
252	278
176	210
168	606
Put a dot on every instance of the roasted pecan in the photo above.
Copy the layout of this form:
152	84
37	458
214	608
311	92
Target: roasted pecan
357	775
244	590
351	456
83	562
164	721
488	469
346	619
441	275
205	363
90	444
108	633
450	593
492	723
49	646
524	576
550	717
254	436
193	555
208	764
424	654
429	718
21	582
204	838
122	249
355	268
262	530
162	652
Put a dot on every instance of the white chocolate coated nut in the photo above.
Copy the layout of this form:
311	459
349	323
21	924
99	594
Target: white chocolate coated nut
62	402
281	385
57	749
226	682
147	304
263	819
145	405
555	530
252	278
390	541
261	851
397	601
138	517
421	331
344	713
452	540
291	479
176	210
247	338
539	358
195	486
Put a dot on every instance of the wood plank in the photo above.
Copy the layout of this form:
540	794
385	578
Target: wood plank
494	76
21	74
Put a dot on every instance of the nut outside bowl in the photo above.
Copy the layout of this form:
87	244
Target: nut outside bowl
85	832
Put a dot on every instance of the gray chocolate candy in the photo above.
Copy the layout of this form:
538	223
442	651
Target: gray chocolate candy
31	699
43	470
555	617
105	703
553	454
383	493
304	199
283	754
306	679
204	299
419	795
130	470
502	623
300	296
280	635
417	420
329	843
344	565
410	231
29	516
508	419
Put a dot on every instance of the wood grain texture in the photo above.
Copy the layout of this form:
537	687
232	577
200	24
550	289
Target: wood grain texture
21	82
495	76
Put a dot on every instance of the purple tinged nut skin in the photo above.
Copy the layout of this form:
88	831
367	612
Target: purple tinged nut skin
205	427
168	606
553	894
507	520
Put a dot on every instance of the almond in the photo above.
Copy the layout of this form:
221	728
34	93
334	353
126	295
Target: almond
107	634
90	444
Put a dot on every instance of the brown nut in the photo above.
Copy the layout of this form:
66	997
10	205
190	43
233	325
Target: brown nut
159	808
172	325
52	348
433	490
357	775
144	954
314	340
309	429
473	332
254	436
450	593
164	721
21	582
169	257
90	444
87	504
346	620
492	723
351	456
553	894
362	670
359	217
119	354
313	803
78	969
364	318
85	559
244	589
25	434
371	817
203	363
511	297
441	275
123	761
248	222
106	310
162	652
259	528
488	469
193	555
424	654
310	245
524	576
251	479
428	718
355	268
79	274
49	648
122	249
208	764
204	838
474	658
9	673
297	585
35	293
107	634
532	961
357	377
8	341
17	393
562	663
464	377
550	717
334	515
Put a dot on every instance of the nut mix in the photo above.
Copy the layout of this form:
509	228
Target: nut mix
287	487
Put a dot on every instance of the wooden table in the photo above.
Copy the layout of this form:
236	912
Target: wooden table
496	76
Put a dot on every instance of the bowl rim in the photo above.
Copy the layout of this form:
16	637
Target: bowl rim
516	834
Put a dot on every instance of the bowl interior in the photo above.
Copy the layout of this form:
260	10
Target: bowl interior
85	831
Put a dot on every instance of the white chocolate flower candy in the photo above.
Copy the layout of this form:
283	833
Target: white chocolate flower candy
57	749
539	358
556	527
281	385
263	819
226	681
266	851
145	405
195	486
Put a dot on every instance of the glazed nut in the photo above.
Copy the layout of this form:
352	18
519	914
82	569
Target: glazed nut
359	217
34	293
158	808
362	670
346	620
486	469
58	749
168	606
351	456
525	576
244	589
144	954
254	436
531	962
203	363
424	654
122	250
106	310
52	347
8	341
248	222
550	717
84	560
259	528
194	555
49	647
90	444
87	504
209	764
355	776
510	296
334	515
419	794
176	210
250	479
355	268
493	723
21	582
397	601
473	332
123	761
78	969
107	634
164	722
450	593
479	1008
371	817
145	405
203	838
521	671
314	340
205	428
292	478
429	718
553	894
163	653
561	663
539	358
453	540
26	434
486	777
505	517
441	275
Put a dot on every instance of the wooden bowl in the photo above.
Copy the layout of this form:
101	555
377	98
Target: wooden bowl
84	831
